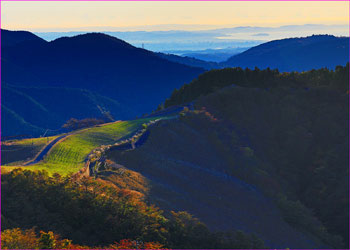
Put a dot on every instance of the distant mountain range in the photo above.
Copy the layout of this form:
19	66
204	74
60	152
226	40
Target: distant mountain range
103	65
106	73
209	55
292	54
215	55
165	38
295	54
191	61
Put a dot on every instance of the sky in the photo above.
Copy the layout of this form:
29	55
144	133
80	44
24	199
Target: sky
155	15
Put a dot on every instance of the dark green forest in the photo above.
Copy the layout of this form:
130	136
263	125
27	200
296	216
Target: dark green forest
214	80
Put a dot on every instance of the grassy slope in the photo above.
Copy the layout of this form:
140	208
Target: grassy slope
17	151
68	155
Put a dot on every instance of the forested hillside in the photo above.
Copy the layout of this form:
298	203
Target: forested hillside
95	214
296	126
214	80
301	135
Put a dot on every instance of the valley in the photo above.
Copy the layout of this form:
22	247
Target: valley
114	146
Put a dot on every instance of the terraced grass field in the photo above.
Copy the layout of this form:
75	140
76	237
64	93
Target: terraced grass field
68	155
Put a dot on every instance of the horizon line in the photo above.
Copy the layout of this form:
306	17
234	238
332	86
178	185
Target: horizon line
140	28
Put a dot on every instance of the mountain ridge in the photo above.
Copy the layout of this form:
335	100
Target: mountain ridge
10	38
99	63
295	54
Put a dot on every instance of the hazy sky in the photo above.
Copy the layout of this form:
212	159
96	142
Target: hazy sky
59	16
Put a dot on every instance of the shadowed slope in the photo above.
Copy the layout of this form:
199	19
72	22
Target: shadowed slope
295	54
184	162
100	63
106	66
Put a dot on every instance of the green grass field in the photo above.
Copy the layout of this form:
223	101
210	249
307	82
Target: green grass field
15	152
30	141
68	156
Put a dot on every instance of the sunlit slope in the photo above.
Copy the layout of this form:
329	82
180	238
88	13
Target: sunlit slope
16	152
68	155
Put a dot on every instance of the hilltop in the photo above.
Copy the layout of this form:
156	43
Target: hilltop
100	64
11	38
295	54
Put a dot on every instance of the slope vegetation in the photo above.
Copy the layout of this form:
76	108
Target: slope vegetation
192	165
68	155
301	136
214	80
18	151
94	214
282	135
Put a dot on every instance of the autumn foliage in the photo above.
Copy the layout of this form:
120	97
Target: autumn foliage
91	213
27	239
134	244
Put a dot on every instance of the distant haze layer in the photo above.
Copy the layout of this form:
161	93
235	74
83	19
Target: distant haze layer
182	40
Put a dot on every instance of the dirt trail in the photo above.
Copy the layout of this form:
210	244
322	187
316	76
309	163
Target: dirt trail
44	151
